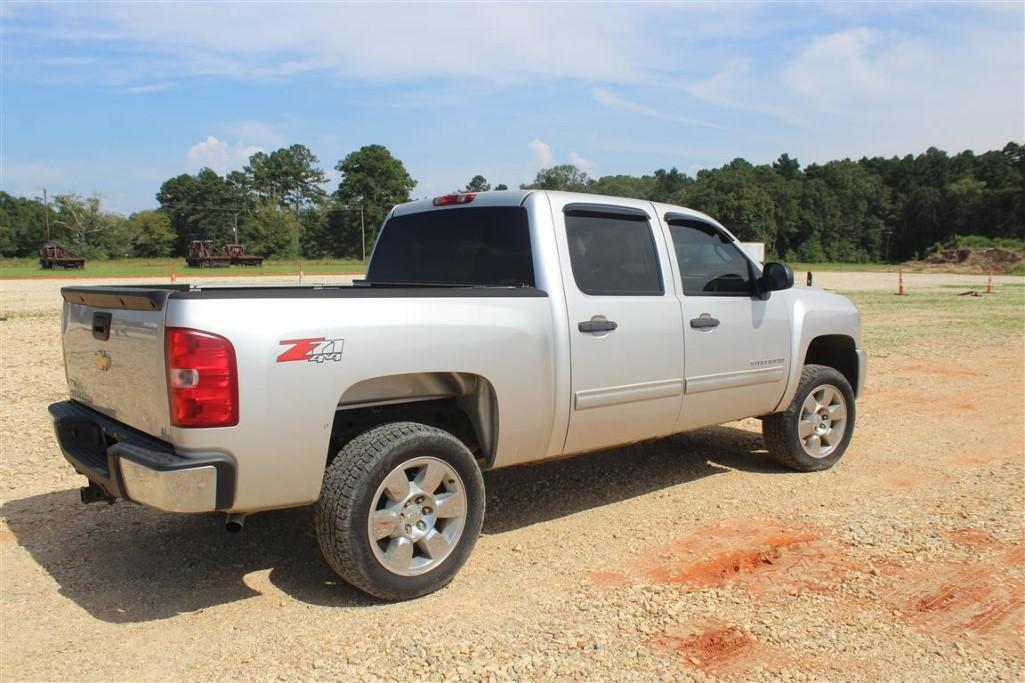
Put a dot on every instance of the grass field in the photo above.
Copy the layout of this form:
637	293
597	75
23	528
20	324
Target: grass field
940	313
161	267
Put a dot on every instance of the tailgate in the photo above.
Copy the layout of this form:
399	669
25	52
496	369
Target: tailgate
114	353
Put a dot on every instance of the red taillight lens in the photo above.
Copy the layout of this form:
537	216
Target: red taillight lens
458	198
202	379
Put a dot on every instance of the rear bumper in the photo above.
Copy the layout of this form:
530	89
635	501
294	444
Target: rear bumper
132	465
862	369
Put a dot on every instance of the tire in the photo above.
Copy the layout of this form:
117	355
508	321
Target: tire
434	527
793	444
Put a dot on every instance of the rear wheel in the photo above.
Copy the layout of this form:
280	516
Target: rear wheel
814	431
400	510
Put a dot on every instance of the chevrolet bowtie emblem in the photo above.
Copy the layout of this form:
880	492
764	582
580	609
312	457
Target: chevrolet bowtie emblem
102	360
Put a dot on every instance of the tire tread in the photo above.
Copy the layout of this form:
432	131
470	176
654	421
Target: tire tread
779	429
343	482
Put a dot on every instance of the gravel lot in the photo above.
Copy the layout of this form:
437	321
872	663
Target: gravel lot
690	558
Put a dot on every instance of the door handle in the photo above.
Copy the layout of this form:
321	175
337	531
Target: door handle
704	322
597	325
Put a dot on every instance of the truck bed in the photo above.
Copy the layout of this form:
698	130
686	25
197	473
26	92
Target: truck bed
286	409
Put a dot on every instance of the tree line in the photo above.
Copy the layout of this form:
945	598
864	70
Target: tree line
872	209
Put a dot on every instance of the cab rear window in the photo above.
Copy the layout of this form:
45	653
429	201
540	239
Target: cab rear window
459	246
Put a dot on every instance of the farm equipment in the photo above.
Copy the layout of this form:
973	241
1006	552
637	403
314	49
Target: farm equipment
239	257
54	256
203	254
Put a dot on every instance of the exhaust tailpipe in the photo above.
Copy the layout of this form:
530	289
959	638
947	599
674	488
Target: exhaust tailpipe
234	522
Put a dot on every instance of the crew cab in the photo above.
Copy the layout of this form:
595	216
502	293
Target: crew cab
491	330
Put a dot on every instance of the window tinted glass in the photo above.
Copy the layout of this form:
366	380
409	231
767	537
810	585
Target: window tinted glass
486	246
613	256
710	264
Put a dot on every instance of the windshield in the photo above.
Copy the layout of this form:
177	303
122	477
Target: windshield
459	246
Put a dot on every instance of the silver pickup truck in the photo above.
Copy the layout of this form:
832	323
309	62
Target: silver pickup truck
491	330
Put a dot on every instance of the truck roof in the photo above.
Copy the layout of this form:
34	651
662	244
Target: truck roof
516	197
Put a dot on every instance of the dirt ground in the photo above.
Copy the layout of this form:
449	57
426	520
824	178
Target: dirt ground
689	558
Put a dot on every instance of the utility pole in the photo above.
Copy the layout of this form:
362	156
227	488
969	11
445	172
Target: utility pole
363	233
46	214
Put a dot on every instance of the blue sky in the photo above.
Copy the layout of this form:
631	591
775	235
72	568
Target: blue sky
115	98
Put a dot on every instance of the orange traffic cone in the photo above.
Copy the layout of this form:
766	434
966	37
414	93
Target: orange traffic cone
174	274
900	282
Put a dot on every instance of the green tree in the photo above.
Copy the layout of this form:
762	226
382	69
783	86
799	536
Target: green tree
477	184
374	180
501	186
623	186
204	206
316	239
566	177
23	225
151	235
83	223
787	167
272	232
288	176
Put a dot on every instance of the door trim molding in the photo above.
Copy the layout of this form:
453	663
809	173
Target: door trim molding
729	380
627	393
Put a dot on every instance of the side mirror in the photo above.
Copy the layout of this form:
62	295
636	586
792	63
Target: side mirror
775	276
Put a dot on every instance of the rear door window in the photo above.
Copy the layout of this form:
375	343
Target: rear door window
613	255
459	246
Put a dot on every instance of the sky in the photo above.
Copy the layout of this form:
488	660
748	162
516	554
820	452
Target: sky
114	98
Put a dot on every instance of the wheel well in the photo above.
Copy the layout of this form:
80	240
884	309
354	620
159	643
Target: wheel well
462	404
836	351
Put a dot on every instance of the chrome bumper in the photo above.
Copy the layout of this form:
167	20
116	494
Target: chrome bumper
190	489
129	464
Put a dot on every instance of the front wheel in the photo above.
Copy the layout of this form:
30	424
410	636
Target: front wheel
400	510
813	433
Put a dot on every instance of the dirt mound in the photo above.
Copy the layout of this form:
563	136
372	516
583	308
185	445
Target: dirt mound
971	260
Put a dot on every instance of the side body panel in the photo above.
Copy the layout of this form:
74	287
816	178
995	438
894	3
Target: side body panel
626	384
740	367
287	408
817	313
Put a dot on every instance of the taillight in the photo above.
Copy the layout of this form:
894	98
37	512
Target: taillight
457	198
202	379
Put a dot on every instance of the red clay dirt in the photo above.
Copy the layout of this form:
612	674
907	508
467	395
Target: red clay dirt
979	600
971	538
761	556
719	649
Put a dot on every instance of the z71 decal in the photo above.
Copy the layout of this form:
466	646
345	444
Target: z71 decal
312	350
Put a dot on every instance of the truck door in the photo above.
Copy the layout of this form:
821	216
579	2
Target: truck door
737	345
626	334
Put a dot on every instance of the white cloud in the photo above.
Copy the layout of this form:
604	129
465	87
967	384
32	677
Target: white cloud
219	155
495	42
258	133
611	99
848	66
733	86
875	92
585	165
149	87
541	151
